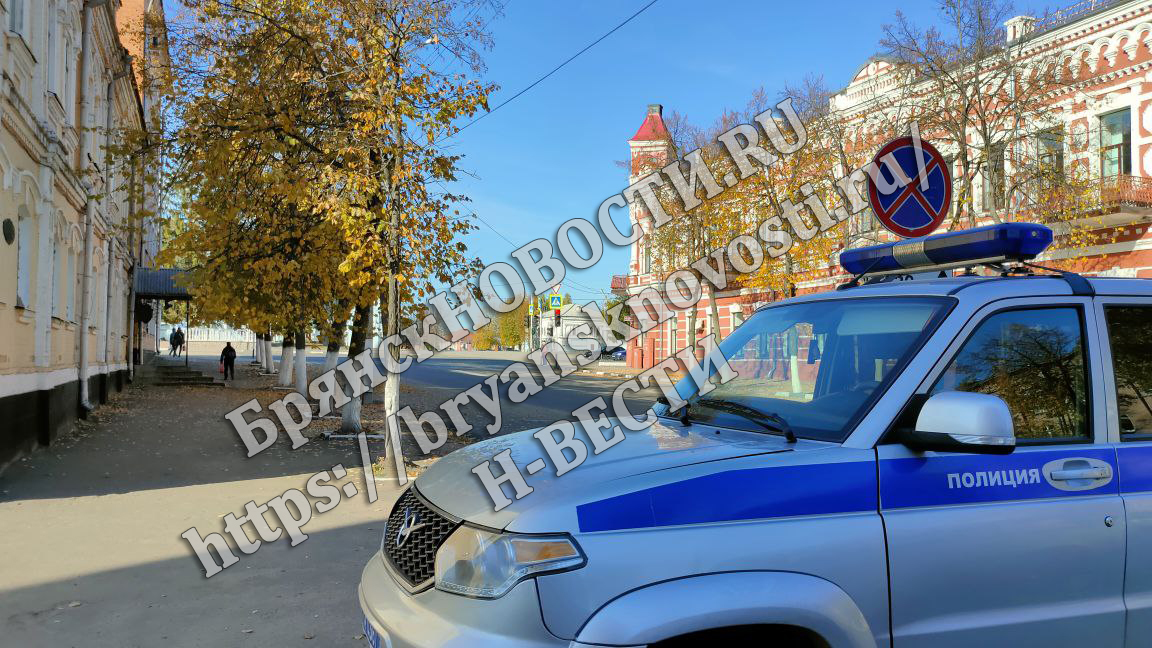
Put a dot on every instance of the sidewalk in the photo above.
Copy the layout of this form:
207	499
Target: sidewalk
92	554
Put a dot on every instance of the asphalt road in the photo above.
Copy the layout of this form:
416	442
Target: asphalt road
447	374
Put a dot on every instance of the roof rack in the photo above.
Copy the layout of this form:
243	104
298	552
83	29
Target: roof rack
1078	284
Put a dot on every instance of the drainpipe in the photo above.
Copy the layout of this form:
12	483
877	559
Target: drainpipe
89	213
89	204
107	327
133	244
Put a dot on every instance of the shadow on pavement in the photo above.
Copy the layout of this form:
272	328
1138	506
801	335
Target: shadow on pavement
278	596
162	437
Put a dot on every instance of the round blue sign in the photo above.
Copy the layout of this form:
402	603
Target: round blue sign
913	199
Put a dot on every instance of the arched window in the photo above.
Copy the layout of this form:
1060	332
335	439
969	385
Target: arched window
61	244
50	60
26	245
57	276
97	286
71	59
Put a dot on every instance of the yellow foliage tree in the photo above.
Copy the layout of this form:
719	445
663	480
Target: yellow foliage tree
311	138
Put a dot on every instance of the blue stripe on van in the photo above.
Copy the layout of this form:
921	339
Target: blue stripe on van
1135	468
757	493
919	482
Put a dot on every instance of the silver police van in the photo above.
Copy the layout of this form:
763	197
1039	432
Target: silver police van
957	461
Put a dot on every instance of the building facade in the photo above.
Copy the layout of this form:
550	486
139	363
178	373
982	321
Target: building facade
1098	121
70	235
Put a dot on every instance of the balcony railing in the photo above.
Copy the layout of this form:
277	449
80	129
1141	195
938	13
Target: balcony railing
619	283
1072	12
1126	190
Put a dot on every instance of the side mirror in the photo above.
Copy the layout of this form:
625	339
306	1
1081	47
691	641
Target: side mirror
963	422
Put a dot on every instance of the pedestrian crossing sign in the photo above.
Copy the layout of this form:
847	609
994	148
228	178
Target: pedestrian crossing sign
555	301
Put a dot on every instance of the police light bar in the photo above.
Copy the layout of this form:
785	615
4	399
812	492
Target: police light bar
990	244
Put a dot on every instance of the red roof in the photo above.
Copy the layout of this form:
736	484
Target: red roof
653	128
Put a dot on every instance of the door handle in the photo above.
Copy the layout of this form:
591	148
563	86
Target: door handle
1081	473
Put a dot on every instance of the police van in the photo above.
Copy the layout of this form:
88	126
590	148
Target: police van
953	461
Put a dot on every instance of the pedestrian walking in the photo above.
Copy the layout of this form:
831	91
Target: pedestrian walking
172	342
228	360
179	341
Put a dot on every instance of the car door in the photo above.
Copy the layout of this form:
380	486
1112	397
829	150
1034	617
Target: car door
1025	549
1127	329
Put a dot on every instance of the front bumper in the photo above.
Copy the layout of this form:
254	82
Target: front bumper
437	619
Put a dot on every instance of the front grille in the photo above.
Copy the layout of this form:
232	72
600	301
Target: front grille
415	558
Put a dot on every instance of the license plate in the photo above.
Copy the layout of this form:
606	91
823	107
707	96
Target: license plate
371	635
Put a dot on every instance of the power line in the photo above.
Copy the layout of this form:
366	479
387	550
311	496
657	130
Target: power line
479	29
558	67
514	245
494	230
469	212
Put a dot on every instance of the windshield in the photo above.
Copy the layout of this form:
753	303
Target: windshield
816	365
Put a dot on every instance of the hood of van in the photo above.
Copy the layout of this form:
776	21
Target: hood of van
652	455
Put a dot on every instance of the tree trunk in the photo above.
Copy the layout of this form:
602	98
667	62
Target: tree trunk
269	360
332	355
392	382
258	348
287	350
392	327
361	327
302	364
336	339
382	388
1140	395
714	313
691	334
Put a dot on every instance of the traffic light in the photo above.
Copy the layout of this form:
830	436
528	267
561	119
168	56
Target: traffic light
556	321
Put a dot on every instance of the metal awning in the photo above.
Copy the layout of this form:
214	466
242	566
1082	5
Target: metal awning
161	283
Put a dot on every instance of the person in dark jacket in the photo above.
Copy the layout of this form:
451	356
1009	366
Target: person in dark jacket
228	359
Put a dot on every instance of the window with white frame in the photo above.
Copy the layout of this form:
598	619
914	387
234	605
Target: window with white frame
1116	143
71	278
70	60
16	16
98	294
50	61
58	253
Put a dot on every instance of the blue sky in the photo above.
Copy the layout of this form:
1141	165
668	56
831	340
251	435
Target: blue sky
550	155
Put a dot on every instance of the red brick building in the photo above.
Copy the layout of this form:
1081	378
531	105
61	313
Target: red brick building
1103	118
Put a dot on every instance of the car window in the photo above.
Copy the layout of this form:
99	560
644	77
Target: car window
816	364
1130	336
1034	360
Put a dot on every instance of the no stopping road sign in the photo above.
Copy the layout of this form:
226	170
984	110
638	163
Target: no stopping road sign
908	198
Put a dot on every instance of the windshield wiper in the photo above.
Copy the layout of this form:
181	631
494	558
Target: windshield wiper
683	409
766	420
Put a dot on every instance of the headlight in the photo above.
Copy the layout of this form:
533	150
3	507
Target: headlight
482	564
